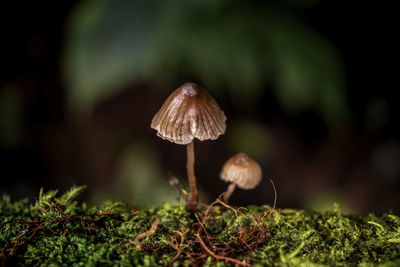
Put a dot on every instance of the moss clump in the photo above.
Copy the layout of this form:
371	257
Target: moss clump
60	231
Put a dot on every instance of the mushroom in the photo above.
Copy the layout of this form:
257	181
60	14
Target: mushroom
242	171
189	112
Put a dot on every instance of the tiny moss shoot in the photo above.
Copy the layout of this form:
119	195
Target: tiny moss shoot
60	231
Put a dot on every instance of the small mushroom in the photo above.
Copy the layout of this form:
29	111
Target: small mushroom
189	112
242	171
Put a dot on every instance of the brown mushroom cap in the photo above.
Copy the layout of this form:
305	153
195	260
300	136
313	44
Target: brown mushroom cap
189	112
242	170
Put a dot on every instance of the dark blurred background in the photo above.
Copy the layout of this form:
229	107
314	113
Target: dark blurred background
307	86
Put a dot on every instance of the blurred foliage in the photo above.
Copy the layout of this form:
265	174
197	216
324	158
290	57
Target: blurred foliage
249	137
105	46
10	118
140	176
322	201
242	46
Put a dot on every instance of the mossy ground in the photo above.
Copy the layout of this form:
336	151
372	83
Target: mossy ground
60	231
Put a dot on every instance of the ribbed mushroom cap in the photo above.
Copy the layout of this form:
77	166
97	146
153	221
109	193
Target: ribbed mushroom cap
189	112
242	170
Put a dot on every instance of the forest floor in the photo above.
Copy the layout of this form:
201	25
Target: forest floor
58	230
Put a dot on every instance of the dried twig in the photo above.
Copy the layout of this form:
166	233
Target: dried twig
150	232
266	215
178	246
217	257
232	209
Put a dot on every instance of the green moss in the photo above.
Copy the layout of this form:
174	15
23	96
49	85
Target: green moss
58	231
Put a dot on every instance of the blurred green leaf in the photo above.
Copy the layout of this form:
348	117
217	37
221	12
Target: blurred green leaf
235	45
106	44
309	71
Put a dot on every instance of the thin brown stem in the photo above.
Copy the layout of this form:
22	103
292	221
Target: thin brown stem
266	215
194	193
229	192
217	257
150	232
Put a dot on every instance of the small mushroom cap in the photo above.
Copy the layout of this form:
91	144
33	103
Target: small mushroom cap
242	170
189	112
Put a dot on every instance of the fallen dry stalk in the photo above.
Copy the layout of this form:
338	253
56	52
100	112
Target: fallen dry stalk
178	246
150	232
266	215
217	257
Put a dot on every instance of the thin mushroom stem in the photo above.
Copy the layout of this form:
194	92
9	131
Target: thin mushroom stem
194	193
229	192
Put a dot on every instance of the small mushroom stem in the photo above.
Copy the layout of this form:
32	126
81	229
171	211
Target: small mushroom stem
229	192
194	193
